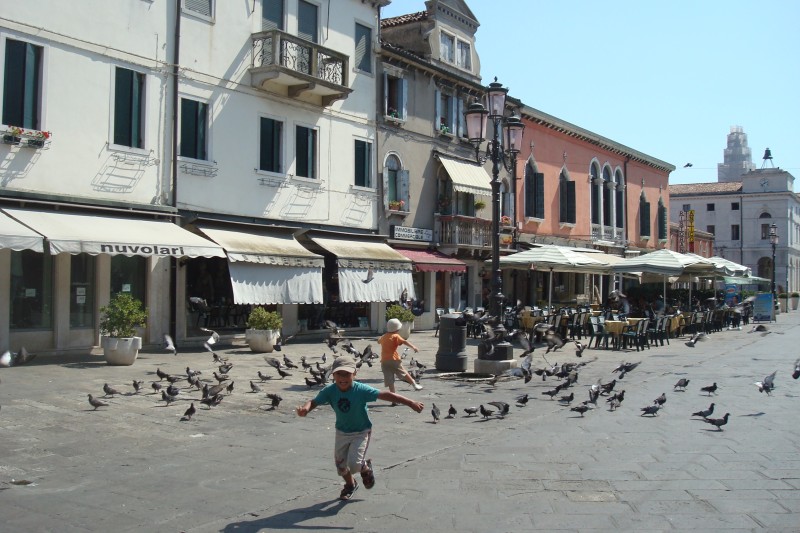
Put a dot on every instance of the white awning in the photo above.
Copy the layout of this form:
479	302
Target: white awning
18	237
369	271
94	234
269	269
467	177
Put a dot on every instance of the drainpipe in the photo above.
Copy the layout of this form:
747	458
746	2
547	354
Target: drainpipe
173	267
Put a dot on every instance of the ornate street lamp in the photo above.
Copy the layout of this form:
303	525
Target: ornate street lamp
773	240
502	149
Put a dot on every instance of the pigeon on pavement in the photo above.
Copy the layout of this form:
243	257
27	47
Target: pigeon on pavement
650	410
719	422
187	415
435	413
767	385
471	411
681	384
705	413
710	389
452	412
94	402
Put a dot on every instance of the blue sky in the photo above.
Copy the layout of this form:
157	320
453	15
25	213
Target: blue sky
665	78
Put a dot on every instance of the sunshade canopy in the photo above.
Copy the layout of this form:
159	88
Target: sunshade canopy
18	237
556	258
665	262
94	234
433	261
252	246
467	177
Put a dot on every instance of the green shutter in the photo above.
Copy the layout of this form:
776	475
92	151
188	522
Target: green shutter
363	48
272	15
530	192
199	6
571	207
562	200
538	179
662	221
123	97
644	218
307	21
620	206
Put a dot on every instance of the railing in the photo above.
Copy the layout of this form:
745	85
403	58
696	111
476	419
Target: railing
275	47
604	233
463	231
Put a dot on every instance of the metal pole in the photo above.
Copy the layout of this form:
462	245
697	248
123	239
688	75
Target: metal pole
774	292
497	275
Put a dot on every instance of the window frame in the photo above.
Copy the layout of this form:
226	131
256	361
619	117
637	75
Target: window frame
367	58
366	164
206	130
314	165
452	39
281	26
142	114
459	63
534	193
567	208
735	206
37	93
711	207
193	13
450	120
712	229
281	164
736	232
395	96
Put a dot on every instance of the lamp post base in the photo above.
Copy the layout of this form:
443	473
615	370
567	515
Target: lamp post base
484	366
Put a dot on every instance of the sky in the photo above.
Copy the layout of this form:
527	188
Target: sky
666	78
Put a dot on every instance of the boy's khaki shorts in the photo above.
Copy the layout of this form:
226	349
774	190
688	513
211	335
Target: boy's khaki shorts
391	369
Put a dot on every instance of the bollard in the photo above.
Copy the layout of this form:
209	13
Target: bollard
452	356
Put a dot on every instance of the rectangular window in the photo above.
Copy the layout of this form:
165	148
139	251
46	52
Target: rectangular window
394	96
687	208
31	290
194	124
447	47
734	206
709	207
445	113
129	108
129	274
81	291
363	164
734	232
764	232
566	205
201	7
306	152
363	48
272	15
711	229
307	21
534	194
464	55
271	145
644	218
22	85
663	222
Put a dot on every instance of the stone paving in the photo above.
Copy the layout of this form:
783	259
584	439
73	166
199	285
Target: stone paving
243	467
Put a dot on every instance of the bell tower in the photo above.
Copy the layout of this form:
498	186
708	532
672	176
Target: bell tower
738	158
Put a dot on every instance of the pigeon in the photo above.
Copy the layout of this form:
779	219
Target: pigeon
452	411
579	348
172	390
187	415
651	410
169	345
263	377
551	393
311	383
156	386
554	341
137	385
254	387
435	413
760	328
166	397
283	373
211	401
213	339
661	400
706	413
216	357
471	411
567	399
229	388
502	408
370	275
161	375
594	393
767	385
486	413
174	379
695	338
710	389
796	373
110	391
221	378
606	388
687	165
580	408
22	357
288	363
719	422
94	402
522	400
213	391
224	369
192	373
617	397
681	384
5	359
276	400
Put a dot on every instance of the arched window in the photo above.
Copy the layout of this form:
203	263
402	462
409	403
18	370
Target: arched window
534	191
765	224
392	168
607	220
620	200
566	198
594	173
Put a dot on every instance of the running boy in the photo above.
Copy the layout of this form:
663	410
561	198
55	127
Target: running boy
391	362
349	399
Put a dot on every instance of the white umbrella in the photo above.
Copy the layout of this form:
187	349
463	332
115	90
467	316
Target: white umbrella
554	258
667	263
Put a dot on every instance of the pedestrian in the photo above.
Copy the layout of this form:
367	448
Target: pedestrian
349	399
391	362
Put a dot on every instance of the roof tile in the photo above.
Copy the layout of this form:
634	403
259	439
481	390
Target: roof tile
705	188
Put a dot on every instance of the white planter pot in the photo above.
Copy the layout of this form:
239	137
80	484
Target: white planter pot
405	329
262	340
121	351
795	303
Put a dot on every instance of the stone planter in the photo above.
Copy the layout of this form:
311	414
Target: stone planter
262	340
121	351
795	302
784	305
405	329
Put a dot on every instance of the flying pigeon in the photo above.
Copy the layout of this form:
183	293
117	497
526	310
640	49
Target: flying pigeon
94	402
187	415
767	385
696	337
22	357
502	408
214	338
579	348
705	413
719	422
687	165
435	413
276	400
137	385
681	384
710	389
169	345
370	275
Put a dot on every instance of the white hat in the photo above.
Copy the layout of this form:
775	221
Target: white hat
393	325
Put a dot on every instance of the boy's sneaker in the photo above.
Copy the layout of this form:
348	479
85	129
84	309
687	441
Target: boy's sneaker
368	476
348	490
417	386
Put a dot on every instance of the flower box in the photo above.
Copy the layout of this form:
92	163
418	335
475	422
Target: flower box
10	139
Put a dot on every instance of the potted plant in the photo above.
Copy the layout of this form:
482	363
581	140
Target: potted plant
404	315
479	205
118	324
264	330
795	300
443	205
783	298
12	135
396	205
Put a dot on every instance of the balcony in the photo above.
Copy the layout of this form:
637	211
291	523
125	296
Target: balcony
297	68
605	235
463	231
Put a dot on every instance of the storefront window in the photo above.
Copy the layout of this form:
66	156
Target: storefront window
31	290
129	274
419	289
81	291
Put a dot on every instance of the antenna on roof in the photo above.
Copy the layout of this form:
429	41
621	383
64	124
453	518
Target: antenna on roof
767	157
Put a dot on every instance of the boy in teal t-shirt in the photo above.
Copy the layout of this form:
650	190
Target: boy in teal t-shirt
349	399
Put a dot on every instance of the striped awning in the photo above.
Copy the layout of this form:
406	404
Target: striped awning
467	177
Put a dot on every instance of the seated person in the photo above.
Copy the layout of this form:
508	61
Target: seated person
658	305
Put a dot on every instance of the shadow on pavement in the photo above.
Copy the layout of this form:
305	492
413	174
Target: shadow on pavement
291	519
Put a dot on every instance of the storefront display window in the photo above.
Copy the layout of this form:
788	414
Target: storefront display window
31	290
129	274
81	291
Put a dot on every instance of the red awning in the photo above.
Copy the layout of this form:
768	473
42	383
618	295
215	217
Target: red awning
433	261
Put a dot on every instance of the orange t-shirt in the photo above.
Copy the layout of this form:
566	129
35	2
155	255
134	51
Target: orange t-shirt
389	343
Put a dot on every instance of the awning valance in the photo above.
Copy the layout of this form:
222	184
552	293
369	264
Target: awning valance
251	246
369	271
433	261
94	234
467	177
18	237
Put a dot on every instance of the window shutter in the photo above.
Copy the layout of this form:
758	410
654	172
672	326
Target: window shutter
530	192
307	21
385	93
562	201
403	88
403	186
363	48
644	218
387	191
571	202
199	6
662	221
620	207
462	124
361	164
438	120
538	179
271	15
595	203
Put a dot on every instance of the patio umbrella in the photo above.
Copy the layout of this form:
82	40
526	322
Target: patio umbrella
555	258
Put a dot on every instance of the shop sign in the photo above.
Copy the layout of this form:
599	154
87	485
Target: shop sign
412	234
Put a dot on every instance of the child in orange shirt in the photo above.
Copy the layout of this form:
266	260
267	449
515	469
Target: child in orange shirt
391	363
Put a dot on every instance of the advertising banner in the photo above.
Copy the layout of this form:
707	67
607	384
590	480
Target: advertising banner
763	307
